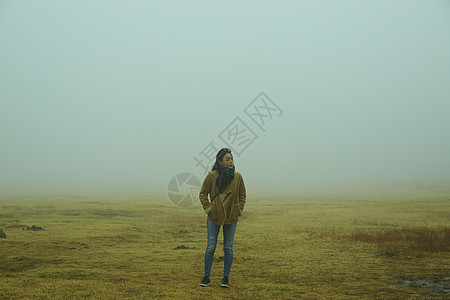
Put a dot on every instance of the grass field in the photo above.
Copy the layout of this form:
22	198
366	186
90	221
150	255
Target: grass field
291	248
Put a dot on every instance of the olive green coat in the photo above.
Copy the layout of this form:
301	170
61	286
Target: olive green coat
227	207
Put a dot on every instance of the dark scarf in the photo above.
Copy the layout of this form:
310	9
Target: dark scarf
226	175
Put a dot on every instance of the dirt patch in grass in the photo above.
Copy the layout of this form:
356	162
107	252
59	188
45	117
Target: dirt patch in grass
183	247
439	286
23	263
34	228
114	213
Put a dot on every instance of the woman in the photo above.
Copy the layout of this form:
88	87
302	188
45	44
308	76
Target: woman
226	190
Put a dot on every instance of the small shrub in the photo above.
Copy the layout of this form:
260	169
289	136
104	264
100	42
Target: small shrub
408	240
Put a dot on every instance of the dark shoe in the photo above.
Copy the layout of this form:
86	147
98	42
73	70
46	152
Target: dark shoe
224	283
205	281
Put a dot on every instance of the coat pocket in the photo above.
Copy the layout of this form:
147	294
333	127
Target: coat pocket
235	212
212	215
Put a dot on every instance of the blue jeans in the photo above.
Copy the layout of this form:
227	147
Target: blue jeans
228	239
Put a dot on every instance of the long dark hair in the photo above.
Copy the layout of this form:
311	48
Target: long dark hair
219	158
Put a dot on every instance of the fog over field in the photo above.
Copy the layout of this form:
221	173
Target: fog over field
119	97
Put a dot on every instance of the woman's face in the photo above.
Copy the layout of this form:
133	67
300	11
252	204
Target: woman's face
227	161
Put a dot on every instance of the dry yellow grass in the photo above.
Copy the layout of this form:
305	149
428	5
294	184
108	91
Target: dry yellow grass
303	248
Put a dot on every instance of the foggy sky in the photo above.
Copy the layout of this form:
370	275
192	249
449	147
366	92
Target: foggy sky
120	96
